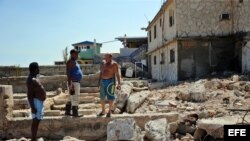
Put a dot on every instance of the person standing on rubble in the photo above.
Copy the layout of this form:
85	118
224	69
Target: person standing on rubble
36	95
108	72
74	75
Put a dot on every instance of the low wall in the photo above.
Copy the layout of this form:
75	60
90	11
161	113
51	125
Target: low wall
86	128
50	83
7	71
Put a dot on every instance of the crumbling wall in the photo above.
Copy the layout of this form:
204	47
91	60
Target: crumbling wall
203	17
200	57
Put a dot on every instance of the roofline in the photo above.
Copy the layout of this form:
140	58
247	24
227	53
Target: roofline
163	7
85	44
131	38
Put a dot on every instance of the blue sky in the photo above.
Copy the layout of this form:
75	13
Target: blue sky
39	30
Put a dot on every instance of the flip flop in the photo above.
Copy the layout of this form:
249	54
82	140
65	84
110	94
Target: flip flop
100	114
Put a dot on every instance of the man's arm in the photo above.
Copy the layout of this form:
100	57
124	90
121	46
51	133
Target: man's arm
30	96
100	77
117	76
68	68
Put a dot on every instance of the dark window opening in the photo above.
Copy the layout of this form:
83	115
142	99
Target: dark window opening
154	60
225	16
172	56
160	22
150	36
155	31
171	18
162	58
88	47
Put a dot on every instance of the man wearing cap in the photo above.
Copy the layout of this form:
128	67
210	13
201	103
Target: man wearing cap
36	96
74	75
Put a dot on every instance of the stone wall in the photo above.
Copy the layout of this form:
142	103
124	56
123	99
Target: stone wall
6	107
165	71
202	17
246	58
6	71
50	83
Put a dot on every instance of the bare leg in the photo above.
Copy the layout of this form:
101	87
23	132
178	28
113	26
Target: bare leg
103	106
110	106
34	128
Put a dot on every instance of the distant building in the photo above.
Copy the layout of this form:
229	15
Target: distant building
192	38
133	53
89	52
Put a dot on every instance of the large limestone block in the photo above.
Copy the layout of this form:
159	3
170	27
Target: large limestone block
183	95
123	129
157	130
48	103
123	94
198	93
135	100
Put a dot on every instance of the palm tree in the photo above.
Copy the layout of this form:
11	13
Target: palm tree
65	55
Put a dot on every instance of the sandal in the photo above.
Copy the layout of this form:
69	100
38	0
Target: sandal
100	114
108	114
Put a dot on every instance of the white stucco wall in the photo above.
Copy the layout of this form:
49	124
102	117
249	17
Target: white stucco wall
202	17
167	71
246	58
164	32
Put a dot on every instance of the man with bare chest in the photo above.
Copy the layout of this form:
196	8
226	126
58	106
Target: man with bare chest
109	70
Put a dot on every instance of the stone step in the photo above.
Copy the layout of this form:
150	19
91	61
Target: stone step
89	90
24	95
21	113
19	95
27	113
89	106
21	104
58	107
52	113
87	111
90	94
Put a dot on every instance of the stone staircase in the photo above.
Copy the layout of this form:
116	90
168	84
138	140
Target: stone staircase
89	103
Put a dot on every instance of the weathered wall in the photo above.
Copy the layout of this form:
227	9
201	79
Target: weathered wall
165	71
45	70
198	58
246	58
50	83
6	106
168	32
202	17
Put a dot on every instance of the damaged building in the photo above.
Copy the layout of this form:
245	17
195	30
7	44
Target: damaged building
193	38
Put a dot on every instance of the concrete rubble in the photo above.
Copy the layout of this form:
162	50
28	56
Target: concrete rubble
123	129
157	130
193	111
